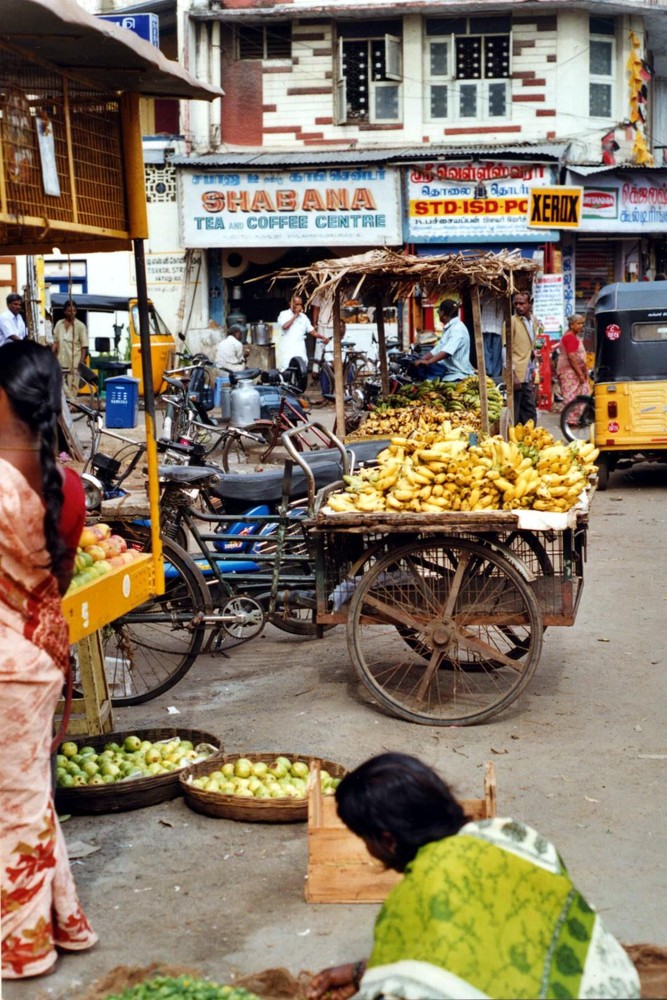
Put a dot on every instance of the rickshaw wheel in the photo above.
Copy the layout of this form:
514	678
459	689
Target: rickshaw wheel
603	473
466	608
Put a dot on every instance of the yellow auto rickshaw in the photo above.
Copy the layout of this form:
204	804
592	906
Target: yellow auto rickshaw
627	413
112	343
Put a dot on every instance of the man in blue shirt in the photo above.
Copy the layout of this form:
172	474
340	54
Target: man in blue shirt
450	358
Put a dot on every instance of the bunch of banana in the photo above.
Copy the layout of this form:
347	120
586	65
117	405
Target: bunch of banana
416	419
439	470
467	392
585	455
531	436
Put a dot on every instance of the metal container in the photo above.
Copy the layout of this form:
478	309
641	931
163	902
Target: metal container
260	333
245	404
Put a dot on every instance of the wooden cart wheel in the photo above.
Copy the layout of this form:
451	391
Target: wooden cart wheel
467	609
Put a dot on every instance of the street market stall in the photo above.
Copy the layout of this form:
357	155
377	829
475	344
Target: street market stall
387	276
72	176
449	557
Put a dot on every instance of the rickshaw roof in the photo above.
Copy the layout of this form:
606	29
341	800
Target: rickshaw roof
633	295
93	303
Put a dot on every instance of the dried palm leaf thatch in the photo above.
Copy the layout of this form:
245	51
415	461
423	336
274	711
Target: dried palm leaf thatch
394	275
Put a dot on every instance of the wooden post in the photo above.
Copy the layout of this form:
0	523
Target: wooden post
339	388
508	370
382	346
481	361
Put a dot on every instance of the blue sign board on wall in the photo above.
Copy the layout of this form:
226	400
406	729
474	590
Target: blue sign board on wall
146	26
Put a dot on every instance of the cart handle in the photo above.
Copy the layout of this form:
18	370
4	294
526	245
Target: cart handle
298	457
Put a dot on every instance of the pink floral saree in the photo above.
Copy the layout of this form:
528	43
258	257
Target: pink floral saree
40	908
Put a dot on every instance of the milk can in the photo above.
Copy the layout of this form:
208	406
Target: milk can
245	404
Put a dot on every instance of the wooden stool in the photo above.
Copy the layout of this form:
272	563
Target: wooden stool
91	714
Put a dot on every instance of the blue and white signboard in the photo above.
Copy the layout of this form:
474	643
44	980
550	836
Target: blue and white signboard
146	26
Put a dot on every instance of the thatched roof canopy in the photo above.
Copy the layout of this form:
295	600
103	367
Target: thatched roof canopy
395	276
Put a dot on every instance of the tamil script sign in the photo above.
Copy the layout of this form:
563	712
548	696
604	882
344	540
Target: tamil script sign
555	208
624	202
317	208
485	201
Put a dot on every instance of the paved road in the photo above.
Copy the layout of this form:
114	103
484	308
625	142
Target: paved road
582	756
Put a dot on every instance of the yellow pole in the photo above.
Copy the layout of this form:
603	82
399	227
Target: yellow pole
133	162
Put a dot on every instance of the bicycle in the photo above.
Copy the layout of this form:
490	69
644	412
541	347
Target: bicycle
255	444
247	570
357	368
103	475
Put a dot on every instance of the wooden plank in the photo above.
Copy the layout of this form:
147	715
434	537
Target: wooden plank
382	346
339	387
481	360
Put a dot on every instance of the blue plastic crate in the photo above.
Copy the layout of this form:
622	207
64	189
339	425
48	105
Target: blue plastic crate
122	401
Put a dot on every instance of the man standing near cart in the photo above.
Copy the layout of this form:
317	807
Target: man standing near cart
526	328
12	325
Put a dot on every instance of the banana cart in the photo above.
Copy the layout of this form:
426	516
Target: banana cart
445	613
73	178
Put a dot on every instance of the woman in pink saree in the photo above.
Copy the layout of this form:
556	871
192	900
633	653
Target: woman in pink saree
40	908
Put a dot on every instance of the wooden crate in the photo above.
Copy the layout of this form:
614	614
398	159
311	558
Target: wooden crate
340	869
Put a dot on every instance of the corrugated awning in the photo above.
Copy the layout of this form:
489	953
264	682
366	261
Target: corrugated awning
279	159
112	59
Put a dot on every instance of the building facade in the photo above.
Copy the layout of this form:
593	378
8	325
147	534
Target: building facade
348	125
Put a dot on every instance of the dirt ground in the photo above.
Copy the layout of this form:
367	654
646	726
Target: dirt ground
582	756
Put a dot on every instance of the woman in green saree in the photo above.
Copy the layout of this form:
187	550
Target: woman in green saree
486	909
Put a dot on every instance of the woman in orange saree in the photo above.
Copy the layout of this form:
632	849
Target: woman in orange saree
40	907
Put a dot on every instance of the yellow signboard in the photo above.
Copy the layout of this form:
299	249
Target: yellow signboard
555	207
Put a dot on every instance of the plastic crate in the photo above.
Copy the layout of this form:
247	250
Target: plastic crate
122	395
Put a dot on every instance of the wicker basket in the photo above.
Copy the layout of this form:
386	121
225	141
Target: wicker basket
246	809
138	792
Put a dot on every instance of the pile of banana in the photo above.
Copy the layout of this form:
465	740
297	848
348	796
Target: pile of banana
432	472
449	396
420	419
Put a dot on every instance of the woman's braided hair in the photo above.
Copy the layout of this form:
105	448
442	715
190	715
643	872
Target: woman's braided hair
32	379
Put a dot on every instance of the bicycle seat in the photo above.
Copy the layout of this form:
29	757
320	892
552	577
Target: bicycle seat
193	474
347	344
243	376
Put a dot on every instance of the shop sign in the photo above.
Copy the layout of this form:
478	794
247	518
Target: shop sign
555	207
486	201
548	303
629	202
318	208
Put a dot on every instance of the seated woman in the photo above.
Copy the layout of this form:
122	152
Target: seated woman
486	909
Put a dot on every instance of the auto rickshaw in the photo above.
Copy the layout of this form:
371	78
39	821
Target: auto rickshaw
108	359
629	403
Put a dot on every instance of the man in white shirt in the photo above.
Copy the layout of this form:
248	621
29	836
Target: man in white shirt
294	328
231	353
12	326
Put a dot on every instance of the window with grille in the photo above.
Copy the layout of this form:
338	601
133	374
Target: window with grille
601	59
468	65
264	42
368	88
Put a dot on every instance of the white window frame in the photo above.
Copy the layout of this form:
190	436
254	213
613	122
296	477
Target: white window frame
393	79
453	84
598	78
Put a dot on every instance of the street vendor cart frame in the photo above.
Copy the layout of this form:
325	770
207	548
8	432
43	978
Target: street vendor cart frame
72	176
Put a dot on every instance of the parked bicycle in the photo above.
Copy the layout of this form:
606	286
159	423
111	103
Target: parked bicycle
244	571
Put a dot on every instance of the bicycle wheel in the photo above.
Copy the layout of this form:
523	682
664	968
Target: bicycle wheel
457	599
577	418
239	450
153	646
326	380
